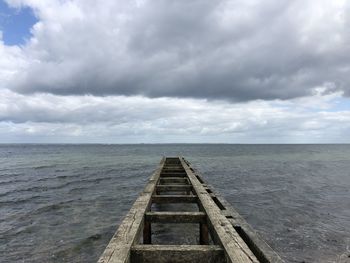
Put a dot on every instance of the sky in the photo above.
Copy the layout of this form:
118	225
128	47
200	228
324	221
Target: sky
185	71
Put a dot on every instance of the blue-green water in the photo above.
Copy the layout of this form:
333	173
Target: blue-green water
62	203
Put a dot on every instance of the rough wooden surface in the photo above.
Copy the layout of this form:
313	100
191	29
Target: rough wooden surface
173	174
177	254
174	188
173	180
176	217
236	250
164	199
259	247
219	224
118	249
263	252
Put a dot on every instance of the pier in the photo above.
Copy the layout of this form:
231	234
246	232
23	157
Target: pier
221	234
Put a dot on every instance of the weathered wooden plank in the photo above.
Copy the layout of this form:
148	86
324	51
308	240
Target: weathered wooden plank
164	199
172	160
173	165
173	180
263	252
237	241
236	250
177	254
176	217
173	170
118	249
181	175
173	188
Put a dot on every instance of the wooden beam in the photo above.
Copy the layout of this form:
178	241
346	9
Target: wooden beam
173	171
176	254
263	252
173	180
181	175
236	242
171	160
128	233
165	199
236	249
175	165
175	217
173	188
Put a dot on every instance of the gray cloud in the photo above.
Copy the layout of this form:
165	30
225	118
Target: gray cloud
235	50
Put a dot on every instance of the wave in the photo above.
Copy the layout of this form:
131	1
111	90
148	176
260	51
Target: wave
30	189
52	207
44	166
52	178
20	201
40	189
5	175
42	209
13	181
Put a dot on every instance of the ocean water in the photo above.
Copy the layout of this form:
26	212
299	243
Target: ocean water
62	203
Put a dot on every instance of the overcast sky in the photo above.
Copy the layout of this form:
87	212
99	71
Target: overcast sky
240	71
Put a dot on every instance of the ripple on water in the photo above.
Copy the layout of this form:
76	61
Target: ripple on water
63	203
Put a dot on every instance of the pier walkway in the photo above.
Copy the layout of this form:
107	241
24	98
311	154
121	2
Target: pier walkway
222	235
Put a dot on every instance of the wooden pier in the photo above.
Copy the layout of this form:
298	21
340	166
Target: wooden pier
222	234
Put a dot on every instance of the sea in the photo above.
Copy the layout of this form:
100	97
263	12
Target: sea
63	203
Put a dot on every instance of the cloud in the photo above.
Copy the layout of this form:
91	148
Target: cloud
120	119
180	71
12	60
232	50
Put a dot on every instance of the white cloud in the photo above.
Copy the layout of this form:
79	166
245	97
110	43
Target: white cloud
192	71
123	119
12	61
